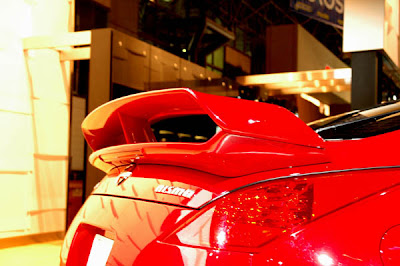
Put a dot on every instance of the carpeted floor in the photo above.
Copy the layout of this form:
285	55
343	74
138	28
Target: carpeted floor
44	254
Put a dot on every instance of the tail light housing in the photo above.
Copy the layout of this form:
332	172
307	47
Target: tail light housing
81	244
250	217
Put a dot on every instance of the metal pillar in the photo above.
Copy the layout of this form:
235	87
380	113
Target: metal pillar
366	67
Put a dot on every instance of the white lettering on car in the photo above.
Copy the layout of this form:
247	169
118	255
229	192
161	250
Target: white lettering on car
176	191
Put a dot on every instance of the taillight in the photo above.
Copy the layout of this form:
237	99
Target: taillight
250	217
82	244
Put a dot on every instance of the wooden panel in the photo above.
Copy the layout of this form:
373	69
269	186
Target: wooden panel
313	55
307	111
78	113
124	15
99	89
281	54
119	45
47	76
105	3
212	74
75	54
130	61
15	94
16	131
50	191
191	71
58	40
100	68
237	59
51	140
15	214
164	66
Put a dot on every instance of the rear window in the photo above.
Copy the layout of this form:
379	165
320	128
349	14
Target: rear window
360	124
193	128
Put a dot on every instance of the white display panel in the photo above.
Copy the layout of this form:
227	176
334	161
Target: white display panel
372	25
363	25
391	27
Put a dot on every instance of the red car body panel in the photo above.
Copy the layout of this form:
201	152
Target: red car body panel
162	202
127	120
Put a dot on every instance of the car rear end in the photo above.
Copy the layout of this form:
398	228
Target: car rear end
180	216
121	220
254	193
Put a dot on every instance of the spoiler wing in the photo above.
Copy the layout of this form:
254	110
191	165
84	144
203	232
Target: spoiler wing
254	137
127	120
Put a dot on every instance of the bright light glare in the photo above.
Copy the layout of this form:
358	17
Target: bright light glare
325	75
324	259
251	121
221	238
291	77
342	73
309	75
311	99
326	109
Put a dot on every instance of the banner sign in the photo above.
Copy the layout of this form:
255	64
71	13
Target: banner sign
327	11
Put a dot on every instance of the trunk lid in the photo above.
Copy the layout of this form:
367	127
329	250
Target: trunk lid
264	138
174	186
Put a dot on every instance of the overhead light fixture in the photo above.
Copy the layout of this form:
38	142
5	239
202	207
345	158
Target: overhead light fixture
311	99
324	109
311	81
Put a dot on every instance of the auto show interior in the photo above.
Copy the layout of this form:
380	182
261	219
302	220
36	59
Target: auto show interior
60	60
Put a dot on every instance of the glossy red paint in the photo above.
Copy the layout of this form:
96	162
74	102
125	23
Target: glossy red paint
222	155
265	193
389	248
127	120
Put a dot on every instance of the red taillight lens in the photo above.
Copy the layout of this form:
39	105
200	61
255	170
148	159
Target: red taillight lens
81	244
252	216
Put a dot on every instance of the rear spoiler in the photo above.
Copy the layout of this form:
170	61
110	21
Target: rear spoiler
119	132
127	120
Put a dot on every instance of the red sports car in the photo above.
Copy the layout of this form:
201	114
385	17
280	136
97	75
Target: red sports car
198	179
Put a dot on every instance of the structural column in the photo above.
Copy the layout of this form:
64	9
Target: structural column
366	67
99	90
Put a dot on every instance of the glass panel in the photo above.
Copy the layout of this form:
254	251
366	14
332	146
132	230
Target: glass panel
192	128
210	59
219	57
239	39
